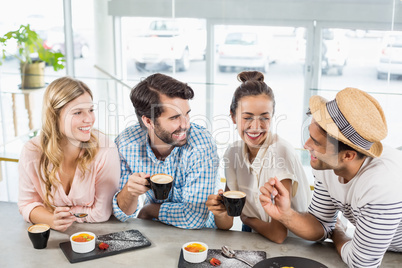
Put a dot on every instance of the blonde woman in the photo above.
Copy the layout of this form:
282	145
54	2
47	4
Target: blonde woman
69	167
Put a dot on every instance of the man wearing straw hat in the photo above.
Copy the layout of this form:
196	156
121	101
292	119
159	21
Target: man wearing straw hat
354	173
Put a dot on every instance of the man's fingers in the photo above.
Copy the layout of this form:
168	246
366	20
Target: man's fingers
139	179
274	187
264	199
137	185
143	175
138	189
264	190
280	188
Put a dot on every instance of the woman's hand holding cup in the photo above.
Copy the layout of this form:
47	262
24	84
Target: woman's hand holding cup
215	204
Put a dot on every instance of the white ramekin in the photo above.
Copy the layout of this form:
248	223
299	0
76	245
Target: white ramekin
195	257
83	247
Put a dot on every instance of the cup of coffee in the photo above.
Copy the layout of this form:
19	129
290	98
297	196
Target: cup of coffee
39	235
161	184
234	202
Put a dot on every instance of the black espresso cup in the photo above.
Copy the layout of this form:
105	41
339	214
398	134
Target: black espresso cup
234	202
39	235
161	184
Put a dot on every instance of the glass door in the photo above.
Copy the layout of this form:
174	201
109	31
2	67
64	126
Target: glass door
278	53
172	46
367	60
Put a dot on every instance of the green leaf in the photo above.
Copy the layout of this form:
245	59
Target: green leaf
29	42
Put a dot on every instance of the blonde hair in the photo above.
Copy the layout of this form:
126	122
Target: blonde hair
59	93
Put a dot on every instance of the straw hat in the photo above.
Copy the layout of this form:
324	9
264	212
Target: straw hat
354	118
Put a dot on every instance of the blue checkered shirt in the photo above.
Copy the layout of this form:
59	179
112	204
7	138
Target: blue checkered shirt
193	166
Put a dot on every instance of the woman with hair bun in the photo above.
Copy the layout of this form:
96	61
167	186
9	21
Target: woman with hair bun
69	167
258	156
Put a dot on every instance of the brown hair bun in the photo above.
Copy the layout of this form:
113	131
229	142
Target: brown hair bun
250	76
252	84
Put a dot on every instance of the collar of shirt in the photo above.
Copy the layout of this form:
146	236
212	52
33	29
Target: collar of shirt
152	156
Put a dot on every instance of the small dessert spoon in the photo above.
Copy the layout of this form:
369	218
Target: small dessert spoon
78	215
228	252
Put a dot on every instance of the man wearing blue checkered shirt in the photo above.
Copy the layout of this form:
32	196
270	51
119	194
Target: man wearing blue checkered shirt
165	141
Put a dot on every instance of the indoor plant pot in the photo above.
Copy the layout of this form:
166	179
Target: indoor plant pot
32	74
32	55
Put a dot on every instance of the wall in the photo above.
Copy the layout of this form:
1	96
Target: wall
377	13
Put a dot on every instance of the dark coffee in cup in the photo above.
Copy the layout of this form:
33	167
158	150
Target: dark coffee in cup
234	202
39	235
161	185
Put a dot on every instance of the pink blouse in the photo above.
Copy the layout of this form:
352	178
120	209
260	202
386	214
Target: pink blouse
91	193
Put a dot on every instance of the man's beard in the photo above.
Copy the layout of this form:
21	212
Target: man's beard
166	136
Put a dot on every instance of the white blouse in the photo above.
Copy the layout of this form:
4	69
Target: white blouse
276	157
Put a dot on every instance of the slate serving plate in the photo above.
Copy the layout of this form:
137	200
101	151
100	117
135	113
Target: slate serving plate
289	261
250	256
118	242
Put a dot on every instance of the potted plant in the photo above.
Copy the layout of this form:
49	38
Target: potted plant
32	55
